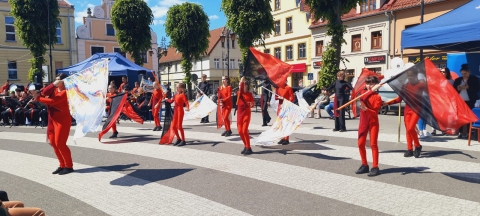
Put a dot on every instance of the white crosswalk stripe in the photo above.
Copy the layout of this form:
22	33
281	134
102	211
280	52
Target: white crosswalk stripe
150	199
379	196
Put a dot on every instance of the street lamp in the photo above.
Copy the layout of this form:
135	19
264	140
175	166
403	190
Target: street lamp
227	31
49	40
161	51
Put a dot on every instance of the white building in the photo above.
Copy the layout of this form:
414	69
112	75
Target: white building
366	39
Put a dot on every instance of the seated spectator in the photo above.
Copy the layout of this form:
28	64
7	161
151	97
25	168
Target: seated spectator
16	208
330	106
324	100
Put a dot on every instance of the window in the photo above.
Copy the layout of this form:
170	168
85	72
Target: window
95	50
278	53
368	5
318	48
223	44
289	25
240	65
118	50
10	30
144	57
216	63
266	51
12	70
277	4
59	33
195	65
224	63
412	25
302	50
289	52
377	40
356	43
232	63
58	65
110	30
176	68
233	44
277	27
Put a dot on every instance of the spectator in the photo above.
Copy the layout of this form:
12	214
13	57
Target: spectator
330	106
342	93
324	100
16	208
467	86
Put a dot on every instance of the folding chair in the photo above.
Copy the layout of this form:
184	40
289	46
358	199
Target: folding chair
474	125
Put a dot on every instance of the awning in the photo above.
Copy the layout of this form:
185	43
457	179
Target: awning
299	68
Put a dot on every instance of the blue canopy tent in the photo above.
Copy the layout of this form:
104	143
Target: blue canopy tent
117	67
457	30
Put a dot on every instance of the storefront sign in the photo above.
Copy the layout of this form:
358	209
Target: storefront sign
317	64
433	58
374	59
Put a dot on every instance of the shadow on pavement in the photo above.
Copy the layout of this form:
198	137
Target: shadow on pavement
440	153
466	177
404	170
198	142
133	138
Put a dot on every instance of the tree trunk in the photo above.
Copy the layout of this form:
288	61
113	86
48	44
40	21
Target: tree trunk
337	36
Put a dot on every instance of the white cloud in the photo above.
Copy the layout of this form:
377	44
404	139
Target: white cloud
83	13
160	10
169	3
158	22
213	17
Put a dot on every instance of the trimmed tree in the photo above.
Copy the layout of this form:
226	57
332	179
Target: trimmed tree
331	12
131	20
188	29
31	23
250	19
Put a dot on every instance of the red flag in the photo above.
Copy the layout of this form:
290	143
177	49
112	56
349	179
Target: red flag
132	112
219	116
266	67
438	103
360	85
116	107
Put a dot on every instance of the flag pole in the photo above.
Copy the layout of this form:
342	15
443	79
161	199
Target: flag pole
353	100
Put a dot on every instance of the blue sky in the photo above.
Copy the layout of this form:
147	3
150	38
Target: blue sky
159	9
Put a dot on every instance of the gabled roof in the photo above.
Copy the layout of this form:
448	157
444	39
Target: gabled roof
214	39
64	3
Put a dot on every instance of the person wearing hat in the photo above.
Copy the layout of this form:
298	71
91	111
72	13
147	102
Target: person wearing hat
59	122
7	114
33	111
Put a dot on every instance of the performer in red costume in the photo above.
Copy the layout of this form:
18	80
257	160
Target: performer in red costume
180	99
281	94
225	97
245	103
59	122
414	88
112	92
370	104
156	102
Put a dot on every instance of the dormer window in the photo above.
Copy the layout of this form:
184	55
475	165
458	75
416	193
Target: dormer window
368	5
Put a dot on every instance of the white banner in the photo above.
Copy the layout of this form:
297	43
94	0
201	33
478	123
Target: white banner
288	120
86	92
274	103
200	108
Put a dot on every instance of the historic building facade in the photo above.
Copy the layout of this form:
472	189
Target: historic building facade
97	35
14	56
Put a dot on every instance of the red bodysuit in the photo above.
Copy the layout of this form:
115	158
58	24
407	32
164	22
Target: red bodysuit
224	95
59	123
157	98
109	102
409	115
180	100
245	103
369	123
287	94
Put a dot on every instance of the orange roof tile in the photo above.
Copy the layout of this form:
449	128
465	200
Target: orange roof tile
172	54
63	3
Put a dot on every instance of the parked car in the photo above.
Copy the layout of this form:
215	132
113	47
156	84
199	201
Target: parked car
386	96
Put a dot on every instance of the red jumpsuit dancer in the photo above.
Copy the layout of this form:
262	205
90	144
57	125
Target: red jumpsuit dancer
112	92
180	99
59	122
225	97
157	98
284	94
370	105
414	89
245	103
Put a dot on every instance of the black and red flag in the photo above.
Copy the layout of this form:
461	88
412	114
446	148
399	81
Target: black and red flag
263	66
118	106
167	134
426	91
360	86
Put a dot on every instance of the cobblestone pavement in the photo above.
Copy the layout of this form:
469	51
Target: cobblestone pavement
314	175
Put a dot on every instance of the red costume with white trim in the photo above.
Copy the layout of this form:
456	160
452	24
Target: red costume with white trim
369	124
59	123
245	102
225	96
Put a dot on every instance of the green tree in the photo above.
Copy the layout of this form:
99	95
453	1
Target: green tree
131	20
188	29
331	12
31	23
250	19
